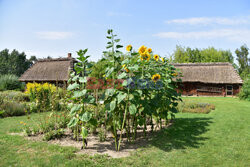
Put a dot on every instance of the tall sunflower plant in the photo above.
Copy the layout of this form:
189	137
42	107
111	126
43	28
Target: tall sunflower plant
140	90
80	118
148	89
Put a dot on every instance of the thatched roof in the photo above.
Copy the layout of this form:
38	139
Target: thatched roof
209	73
46	70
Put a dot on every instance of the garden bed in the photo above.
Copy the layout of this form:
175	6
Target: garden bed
107	147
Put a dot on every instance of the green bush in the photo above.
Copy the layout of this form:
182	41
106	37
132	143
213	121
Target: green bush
245	90
192	107
11	108
17	96
10	82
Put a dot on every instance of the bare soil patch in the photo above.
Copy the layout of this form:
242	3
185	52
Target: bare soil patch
107	147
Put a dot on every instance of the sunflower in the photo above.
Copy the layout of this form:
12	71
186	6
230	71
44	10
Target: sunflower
142	50
156	57
149	50
156	77
162	59
145	56
129	48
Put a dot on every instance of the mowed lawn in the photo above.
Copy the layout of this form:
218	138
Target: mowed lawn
220	138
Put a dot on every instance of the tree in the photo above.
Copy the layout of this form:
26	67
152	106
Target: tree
14	62
243	60
188	55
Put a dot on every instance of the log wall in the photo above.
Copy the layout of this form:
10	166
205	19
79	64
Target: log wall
202	89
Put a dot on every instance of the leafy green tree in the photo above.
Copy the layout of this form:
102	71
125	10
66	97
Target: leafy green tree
188	55
243	60
245	90
14	62
98	69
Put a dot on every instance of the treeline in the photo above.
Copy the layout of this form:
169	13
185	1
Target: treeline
14	62
189	55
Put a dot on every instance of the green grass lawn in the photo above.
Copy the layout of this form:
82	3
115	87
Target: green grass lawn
220	138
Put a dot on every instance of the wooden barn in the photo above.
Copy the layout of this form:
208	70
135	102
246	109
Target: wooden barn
54	71
209	79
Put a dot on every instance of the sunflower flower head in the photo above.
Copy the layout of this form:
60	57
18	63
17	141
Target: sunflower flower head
142	50
129	48
156	57
149	50
156	77
162	59
145	57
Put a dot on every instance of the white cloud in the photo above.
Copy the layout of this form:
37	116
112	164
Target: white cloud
53	35
211	20
241	35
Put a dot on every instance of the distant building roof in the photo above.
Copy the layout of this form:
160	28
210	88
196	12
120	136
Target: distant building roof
209	73
46	70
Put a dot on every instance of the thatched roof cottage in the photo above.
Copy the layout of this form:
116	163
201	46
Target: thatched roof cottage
214	79
49	70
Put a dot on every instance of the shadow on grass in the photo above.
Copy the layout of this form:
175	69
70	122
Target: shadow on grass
185	132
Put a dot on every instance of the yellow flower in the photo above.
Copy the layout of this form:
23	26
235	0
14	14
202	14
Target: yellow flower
156	57
156	77
162	59
129	48
149	50
142	50
175	74
125	68
145	56
21	122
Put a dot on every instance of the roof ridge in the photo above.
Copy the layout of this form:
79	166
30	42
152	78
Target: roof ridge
202	64
56	59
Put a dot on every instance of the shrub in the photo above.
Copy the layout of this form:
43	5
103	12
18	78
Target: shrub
10	82
245	90
36	90
12	108
192	107
17	96
41	94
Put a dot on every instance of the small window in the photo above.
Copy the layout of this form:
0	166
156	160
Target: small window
229	90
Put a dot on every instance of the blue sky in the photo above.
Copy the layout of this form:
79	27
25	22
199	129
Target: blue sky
56	27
